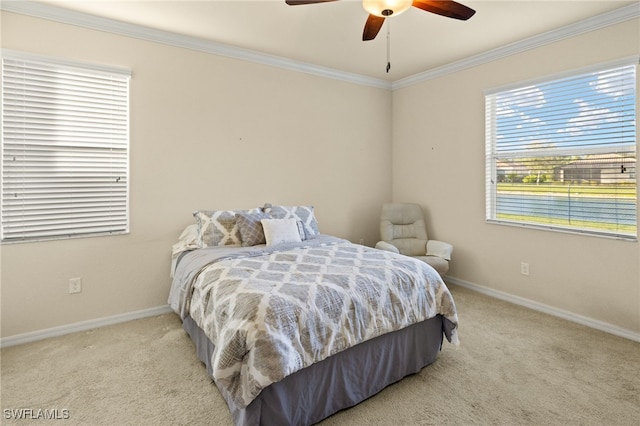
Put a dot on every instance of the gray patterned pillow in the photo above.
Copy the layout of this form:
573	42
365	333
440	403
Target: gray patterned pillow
251	230
219	227
303	214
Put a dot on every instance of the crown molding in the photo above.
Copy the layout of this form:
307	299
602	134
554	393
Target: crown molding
53	13
601	21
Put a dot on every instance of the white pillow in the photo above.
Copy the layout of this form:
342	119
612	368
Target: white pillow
278	231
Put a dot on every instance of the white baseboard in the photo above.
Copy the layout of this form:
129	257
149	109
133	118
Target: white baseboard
33	336
129	316
570	316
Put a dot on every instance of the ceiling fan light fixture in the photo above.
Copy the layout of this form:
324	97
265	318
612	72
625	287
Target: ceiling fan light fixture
386	8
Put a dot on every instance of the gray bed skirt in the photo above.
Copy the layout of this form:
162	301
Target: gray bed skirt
338	382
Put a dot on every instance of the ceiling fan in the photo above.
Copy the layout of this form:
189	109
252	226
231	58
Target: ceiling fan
381	9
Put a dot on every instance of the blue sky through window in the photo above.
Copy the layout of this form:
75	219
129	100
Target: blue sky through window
577	112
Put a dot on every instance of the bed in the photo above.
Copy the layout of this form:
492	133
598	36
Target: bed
294	325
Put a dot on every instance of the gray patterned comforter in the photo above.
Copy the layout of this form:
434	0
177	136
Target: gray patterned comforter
273	311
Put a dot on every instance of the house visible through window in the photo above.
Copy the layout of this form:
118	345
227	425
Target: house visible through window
65	149
561	153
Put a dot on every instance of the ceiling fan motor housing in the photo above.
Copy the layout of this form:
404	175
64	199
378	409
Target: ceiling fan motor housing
386	8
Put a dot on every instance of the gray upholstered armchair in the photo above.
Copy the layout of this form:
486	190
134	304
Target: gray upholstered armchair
403	231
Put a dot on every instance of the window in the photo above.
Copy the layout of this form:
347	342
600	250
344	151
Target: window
65	149
561	154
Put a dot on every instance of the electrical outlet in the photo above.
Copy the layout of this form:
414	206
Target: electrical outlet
361	241
524	268
75	285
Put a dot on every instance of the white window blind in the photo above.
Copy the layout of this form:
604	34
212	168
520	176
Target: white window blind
561	154
65	149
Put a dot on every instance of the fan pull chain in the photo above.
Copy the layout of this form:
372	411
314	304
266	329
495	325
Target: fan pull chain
388	46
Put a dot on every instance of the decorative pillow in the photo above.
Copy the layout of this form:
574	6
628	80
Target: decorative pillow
303	235
188	240
219	227
189	237
304	214
251	231
278	231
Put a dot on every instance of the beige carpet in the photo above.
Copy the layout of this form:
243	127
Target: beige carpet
514	366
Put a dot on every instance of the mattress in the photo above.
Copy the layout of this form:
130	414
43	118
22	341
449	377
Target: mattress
338	382
292	333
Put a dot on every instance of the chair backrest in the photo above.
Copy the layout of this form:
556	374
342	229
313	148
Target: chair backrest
402	224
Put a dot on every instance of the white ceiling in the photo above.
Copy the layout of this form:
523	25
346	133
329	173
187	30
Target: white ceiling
330	34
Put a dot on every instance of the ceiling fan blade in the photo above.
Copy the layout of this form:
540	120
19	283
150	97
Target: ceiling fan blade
448	8
298	2
372	27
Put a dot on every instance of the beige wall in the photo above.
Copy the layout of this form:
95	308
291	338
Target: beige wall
213	132
207	132
438	161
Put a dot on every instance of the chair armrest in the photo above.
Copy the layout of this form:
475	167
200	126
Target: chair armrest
439	249
383	245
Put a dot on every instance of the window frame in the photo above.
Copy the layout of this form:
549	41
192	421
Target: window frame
15	227
492	156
